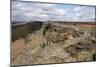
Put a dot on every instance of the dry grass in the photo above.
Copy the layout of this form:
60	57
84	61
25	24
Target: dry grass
58	44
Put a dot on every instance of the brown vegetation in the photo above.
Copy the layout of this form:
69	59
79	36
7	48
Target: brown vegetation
53	43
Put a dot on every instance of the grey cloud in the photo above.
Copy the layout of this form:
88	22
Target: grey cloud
38	11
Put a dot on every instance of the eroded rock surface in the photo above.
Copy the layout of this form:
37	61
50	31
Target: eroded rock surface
55	43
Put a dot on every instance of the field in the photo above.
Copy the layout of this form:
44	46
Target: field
53	42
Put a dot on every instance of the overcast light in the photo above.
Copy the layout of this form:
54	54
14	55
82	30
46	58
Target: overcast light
31	11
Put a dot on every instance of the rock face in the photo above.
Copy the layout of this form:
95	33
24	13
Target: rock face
56	43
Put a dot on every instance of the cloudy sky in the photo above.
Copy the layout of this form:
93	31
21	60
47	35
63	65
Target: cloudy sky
31	11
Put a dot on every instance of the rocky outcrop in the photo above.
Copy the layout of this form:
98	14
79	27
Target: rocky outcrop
57	43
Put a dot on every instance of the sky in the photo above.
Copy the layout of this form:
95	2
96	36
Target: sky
35	11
